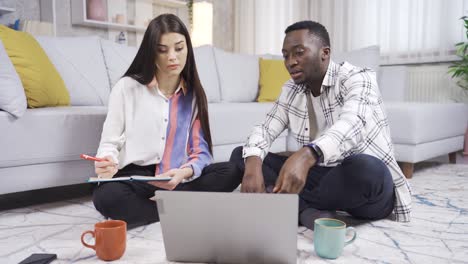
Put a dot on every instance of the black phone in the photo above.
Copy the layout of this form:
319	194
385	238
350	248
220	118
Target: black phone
41	258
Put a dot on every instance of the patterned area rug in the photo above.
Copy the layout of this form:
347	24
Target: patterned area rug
438	232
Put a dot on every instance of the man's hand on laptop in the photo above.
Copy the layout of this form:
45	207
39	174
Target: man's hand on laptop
253	182
293	174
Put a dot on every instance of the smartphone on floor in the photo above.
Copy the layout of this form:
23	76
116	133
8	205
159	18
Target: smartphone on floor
41	258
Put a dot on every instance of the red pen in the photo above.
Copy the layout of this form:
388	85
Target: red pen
87	157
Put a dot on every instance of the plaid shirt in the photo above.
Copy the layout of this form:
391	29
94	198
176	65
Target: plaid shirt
355	119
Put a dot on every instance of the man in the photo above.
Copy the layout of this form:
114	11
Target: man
335	112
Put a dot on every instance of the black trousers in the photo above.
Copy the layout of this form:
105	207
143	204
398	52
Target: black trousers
129	200
361	185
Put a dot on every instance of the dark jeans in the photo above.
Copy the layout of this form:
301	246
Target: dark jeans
361	185
129	200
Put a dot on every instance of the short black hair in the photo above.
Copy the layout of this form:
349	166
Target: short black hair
314	28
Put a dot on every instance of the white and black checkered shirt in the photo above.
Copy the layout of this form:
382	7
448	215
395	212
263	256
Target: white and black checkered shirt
356	123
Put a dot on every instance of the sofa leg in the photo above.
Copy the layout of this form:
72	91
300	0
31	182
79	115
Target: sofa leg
453	157
407	169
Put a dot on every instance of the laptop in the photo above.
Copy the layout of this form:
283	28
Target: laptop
228	227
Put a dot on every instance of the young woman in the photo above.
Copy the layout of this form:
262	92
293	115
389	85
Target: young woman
157	125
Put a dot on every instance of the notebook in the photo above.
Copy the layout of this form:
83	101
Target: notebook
129	178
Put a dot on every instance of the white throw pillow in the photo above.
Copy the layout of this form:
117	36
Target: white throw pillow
118	58
368	57
80	63
238	76
269	56
206	66
12	96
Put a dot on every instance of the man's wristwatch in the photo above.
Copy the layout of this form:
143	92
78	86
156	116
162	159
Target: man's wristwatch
316	151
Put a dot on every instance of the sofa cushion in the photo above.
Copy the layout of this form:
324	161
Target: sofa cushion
206	66
238	76
118	58
12	99
80	62
233	122
416	123
51	134
268	56
42	83
393	82
368	57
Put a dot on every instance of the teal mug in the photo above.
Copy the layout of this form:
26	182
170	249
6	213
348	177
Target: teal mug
329	237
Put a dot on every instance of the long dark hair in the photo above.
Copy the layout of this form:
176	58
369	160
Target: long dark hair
143	66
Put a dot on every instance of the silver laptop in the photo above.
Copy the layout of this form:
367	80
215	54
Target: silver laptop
228	227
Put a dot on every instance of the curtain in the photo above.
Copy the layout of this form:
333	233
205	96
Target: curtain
407	31
260	24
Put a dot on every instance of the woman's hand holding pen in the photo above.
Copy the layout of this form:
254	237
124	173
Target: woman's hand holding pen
106	168
177	175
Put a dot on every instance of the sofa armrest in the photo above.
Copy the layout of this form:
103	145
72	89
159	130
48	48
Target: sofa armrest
393	82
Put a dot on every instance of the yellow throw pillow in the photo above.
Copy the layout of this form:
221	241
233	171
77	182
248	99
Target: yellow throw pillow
41	81
273	75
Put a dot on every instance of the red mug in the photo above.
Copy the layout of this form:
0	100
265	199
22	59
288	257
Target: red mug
110	239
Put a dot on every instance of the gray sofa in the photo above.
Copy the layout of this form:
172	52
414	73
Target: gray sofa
42	148
420	131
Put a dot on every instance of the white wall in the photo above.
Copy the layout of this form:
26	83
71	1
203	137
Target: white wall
223	28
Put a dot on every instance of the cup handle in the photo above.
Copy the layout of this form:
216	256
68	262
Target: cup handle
354	235
86	244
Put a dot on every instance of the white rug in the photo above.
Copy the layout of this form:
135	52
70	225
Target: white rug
438	232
